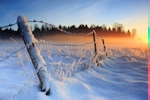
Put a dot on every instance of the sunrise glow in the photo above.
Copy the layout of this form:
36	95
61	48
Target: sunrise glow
70	12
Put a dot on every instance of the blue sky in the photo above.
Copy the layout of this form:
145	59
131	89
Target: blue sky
149	23
130	13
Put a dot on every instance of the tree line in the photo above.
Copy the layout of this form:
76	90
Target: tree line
117	30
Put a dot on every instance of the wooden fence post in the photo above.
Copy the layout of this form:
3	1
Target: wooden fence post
36	58
95	46
104	45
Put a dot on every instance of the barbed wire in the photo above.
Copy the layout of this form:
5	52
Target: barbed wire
53	26
12	54
62	30
50	43
65	44
10	25
71	33
67	32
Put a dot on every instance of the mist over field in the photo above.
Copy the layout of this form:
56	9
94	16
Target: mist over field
109	41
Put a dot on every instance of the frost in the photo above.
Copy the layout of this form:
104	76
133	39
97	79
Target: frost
37	59
133	59
117	72
25	30
28	45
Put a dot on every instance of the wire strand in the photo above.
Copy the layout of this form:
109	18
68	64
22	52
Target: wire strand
10	25
64	31
12	54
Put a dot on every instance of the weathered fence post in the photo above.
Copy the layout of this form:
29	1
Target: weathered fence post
36	58
104	45
95	46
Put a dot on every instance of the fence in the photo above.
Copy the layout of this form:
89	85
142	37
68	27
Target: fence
37	59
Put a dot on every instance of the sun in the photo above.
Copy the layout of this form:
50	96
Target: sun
145	39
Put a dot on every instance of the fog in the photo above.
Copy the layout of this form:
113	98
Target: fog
64	38
109	41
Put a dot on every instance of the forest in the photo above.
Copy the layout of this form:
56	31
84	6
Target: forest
116	31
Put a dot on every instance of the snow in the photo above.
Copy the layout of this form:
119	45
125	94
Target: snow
26	30
37	59
121	76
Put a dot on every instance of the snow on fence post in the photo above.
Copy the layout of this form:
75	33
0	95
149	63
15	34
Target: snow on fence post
104	45
36	58
95	46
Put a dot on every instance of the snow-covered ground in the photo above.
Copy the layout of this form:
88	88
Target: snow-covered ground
123	75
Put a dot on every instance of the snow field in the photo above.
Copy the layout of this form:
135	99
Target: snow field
122	75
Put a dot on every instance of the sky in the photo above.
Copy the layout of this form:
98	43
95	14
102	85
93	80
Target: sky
130	13
149	13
